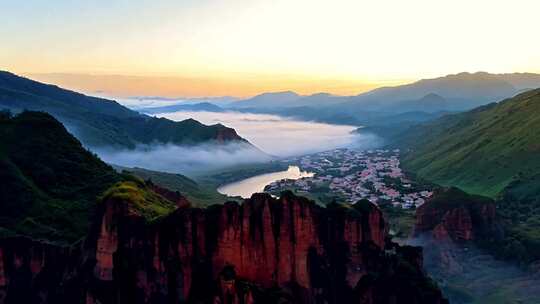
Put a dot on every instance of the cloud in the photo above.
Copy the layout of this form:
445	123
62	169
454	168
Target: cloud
184	159
275	136
284	137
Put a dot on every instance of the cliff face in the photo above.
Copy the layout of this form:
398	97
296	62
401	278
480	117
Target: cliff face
454	216
267	241
450	222
265	250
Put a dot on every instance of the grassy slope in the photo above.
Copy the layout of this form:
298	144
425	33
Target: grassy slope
493	151
197	193
481	151
49	181
50	184
144	201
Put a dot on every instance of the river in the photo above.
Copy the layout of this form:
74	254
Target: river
246	187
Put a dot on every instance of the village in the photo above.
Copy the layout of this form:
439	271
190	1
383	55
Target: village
349	175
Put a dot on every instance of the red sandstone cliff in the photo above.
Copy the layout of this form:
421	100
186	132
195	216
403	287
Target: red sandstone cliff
315	254
266	249
450	221
266	240
454	216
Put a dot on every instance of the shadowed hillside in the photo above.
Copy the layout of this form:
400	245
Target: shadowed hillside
99	122
49	181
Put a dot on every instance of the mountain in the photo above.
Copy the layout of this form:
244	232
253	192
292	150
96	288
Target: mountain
483	151
429	103
455	216
458	92
100	122
140	103
492	151
451	93
465	90
522	81
49	181
197	107
268	100
74	231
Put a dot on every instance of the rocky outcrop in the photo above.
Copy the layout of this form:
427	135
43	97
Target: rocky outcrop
452	222
35	272
173	196
455	216
265	250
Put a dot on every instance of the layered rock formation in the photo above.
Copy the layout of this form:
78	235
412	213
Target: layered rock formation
449	224
454	216
265	250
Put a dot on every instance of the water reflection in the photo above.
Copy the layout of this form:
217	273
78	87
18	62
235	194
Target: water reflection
246	187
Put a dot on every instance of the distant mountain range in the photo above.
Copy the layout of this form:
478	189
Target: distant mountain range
383	109
99	122
459	92
146	102
197	107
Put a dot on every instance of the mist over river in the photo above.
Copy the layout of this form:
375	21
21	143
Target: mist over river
280	136
274	135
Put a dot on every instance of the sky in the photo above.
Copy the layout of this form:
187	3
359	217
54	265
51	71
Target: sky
197	48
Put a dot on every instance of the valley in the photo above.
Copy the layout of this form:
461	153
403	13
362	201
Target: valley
270	152
348	175
256	184
367	185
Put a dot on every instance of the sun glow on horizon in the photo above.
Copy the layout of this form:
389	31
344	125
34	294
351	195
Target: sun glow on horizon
242	48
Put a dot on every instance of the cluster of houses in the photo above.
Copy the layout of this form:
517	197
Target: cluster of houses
354	175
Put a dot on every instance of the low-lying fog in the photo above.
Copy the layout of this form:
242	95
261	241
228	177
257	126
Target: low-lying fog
184	159
469	275
281	136
273	136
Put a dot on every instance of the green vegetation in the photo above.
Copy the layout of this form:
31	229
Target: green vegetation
401	221
451	198
492	151
101	122
49	181
521	219
197	193
144	201
483	151
50	184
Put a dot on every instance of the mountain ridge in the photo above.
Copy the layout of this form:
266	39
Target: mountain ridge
483	86
460	149
102	122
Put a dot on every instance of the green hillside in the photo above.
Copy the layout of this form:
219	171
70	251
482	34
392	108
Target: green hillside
482	151
199	194
101	122
50	184
49	181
